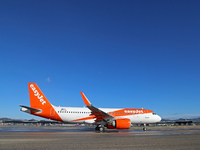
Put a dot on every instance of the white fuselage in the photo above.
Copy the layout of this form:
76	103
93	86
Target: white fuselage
82	115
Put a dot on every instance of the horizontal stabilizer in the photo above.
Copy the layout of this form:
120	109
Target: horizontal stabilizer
29	109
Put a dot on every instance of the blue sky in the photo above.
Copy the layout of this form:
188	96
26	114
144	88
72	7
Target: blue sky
121	54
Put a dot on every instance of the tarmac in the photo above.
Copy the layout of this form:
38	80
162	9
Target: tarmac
81	138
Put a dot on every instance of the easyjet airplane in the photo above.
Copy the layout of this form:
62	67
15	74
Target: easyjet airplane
111	118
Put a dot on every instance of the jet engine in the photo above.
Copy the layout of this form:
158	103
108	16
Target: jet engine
122	123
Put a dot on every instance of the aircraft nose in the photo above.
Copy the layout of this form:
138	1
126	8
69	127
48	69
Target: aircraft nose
158	118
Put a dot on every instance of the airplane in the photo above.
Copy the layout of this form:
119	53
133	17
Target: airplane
110	118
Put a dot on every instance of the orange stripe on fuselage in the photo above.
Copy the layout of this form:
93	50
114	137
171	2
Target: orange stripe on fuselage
86	118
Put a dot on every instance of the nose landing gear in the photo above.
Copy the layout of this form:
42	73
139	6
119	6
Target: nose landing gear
145	127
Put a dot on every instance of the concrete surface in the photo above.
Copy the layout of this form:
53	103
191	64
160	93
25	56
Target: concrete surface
155	139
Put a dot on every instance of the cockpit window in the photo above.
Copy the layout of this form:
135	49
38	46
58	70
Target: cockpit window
154	113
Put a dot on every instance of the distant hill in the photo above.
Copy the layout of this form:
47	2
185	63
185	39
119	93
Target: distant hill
5	119
196	119
16	120
181	119
9	120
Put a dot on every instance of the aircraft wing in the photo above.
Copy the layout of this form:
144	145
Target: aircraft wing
99	114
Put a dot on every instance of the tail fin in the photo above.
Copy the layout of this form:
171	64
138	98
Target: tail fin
39	101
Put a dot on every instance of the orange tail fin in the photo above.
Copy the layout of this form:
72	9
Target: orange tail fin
39	101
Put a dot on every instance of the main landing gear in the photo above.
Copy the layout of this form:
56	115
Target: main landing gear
145	127
100	128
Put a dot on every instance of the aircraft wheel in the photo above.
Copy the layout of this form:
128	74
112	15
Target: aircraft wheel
145	128
101	129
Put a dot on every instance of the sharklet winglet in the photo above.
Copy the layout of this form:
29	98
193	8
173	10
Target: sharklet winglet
86	101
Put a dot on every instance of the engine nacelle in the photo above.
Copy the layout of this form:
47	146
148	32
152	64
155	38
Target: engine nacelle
122	123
